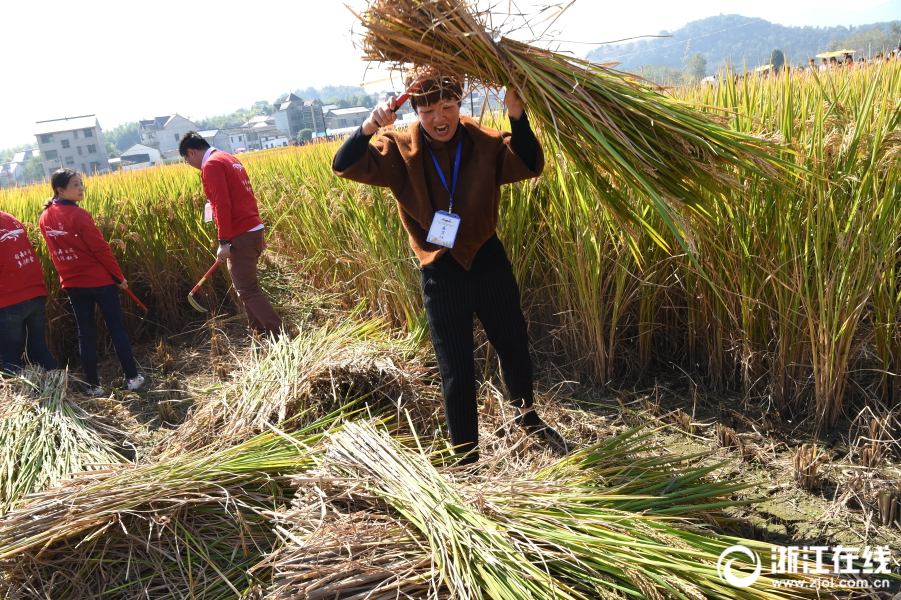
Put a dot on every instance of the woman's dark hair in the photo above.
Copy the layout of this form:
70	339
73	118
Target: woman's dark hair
436	88
192	141
60	179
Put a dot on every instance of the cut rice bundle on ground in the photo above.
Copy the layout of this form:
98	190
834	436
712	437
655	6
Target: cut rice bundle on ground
193	524
301	379
561	537
339	555
45	437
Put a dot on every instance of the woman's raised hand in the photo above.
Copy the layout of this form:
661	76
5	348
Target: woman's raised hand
382	116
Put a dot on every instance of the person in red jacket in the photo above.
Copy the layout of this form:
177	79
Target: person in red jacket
89	273
23	300
234	205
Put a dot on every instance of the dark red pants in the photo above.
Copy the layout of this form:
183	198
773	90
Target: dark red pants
242	264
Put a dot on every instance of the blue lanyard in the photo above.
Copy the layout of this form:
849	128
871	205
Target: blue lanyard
453	188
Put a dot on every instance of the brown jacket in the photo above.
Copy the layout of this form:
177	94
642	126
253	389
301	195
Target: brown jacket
400	161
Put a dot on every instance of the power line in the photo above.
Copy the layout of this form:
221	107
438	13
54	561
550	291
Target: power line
682	41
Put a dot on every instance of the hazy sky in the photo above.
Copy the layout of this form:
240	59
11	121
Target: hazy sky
127	61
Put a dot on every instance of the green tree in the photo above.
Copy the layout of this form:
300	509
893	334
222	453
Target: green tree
34	170
894	31
262	107
696	67
123	136
111	150
871	40
777	59
304	135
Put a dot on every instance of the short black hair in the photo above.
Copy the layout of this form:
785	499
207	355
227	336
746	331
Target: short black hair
435	88
192	141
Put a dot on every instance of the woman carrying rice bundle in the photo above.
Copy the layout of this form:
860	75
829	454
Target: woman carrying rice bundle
89	273
446	174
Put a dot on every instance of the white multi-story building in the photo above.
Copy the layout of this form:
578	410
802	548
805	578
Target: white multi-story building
164	133
238	137
73	143
340	118
294	114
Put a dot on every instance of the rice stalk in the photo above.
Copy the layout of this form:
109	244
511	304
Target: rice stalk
194	524
301	379
617	131
542	538
46	438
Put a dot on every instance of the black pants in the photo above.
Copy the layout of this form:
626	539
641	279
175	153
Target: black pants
452	296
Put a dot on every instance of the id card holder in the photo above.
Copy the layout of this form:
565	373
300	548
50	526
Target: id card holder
207	212
444	229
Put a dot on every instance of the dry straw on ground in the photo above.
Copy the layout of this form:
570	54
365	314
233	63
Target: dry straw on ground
373	513
302	379
46	437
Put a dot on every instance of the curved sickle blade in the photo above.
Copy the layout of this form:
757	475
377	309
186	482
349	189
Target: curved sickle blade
197	287
194	303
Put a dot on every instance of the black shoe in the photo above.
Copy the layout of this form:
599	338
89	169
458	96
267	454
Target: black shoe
534	426
468	464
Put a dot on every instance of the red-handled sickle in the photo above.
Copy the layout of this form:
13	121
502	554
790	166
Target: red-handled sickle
406	95
135	298
197	287
398	102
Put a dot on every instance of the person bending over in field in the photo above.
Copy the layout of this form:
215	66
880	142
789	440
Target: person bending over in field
238	222
89	273
23	300
446	174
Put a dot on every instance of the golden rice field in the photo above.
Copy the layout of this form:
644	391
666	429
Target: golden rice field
790	293
317	468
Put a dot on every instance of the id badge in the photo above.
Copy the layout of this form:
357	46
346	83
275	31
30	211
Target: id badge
207	212
444	229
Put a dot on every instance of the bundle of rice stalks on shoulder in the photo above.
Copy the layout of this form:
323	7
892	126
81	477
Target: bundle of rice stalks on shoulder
301	379
620	134
45	437
477	537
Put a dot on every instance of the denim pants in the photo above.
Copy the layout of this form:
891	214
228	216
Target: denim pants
107	298
23	324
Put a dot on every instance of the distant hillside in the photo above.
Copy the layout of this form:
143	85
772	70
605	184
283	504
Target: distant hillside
743	39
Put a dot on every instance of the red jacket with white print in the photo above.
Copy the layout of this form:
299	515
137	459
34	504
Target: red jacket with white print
80	254
228	189
21	275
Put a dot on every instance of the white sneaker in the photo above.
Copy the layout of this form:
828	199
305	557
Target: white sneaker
133	384
94	390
